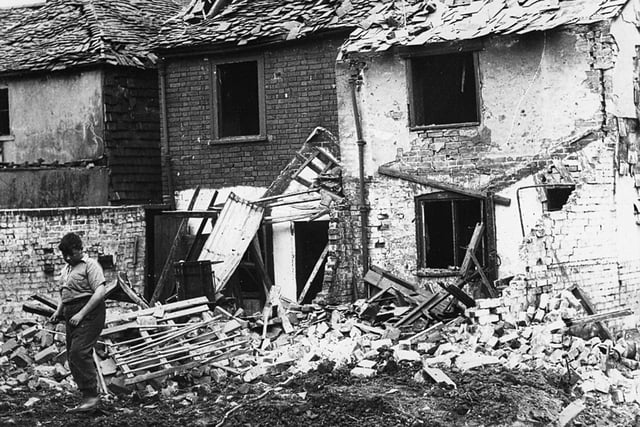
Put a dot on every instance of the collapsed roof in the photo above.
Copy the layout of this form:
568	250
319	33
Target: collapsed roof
66	33
418	22
241	22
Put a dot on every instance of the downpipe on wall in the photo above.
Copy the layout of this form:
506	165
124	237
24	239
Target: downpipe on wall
354	81
162	70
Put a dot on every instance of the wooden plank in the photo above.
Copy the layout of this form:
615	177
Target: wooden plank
413	315
439	377
102	385
485	281
170	316
388	171
588	306
124	284
382	279
459	294
599	317
184	223
156	374
471	249
45	300
136	351
206	348
203	224
313	274
394	278
257	255
166	307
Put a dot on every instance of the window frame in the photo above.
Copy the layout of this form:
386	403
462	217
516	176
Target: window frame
474	48
8	136
486	240
214	100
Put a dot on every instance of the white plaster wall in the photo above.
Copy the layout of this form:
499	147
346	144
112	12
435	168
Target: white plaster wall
56	117
382	101
508	228
628	232
627	37
533	92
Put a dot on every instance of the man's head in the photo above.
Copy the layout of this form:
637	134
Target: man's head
71	248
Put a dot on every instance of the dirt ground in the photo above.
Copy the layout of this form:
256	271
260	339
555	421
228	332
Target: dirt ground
485	396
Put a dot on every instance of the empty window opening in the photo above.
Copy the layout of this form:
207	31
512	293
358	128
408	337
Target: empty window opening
445	225
443	89
4	112
238	99
557	197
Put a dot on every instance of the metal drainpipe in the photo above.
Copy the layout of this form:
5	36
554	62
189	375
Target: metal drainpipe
364	219
535	186
165	129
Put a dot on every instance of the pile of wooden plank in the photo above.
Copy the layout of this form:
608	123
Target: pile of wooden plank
171	338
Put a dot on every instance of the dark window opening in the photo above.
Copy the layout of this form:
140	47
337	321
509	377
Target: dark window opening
557	197
445	225
4	112
238	99
443	89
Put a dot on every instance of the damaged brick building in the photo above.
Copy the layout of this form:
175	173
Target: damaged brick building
522	117
437	116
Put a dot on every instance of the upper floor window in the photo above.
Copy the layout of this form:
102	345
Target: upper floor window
5	129
443	89
445	223
238	100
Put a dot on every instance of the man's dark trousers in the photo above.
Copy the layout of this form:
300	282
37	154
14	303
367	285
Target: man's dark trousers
80	342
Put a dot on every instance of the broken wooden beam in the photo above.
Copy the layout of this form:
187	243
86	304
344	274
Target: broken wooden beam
313	274
184	223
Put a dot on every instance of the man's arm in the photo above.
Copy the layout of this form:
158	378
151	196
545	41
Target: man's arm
96	298
55	317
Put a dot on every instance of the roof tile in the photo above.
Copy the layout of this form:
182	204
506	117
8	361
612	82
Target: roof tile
67	33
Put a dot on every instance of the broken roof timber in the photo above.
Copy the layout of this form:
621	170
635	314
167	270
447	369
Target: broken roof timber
393	173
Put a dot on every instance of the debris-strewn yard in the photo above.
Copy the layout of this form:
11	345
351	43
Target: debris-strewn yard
485	396
385	360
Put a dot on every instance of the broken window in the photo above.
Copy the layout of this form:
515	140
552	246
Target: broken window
239	100
445	224
443	89
4	112
557	197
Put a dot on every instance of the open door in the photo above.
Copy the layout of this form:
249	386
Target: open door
311	238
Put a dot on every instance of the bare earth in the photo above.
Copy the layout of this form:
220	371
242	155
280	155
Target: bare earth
485	396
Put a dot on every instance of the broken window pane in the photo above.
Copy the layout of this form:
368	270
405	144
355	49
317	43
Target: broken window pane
443	89
238	99
4	112
557	197
446	224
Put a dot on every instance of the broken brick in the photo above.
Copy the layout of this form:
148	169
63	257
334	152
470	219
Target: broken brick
46	355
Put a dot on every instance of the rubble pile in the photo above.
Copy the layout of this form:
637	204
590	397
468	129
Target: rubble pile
34	357
148	347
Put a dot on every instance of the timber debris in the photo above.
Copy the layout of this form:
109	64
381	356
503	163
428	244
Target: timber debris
151	347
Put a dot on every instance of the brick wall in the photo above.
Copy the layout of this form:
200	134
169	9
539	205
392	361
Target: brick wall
300	95
132	135
29	241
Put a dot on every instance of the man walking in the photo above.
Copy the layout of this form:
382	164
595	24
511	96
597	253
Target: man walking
82	307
